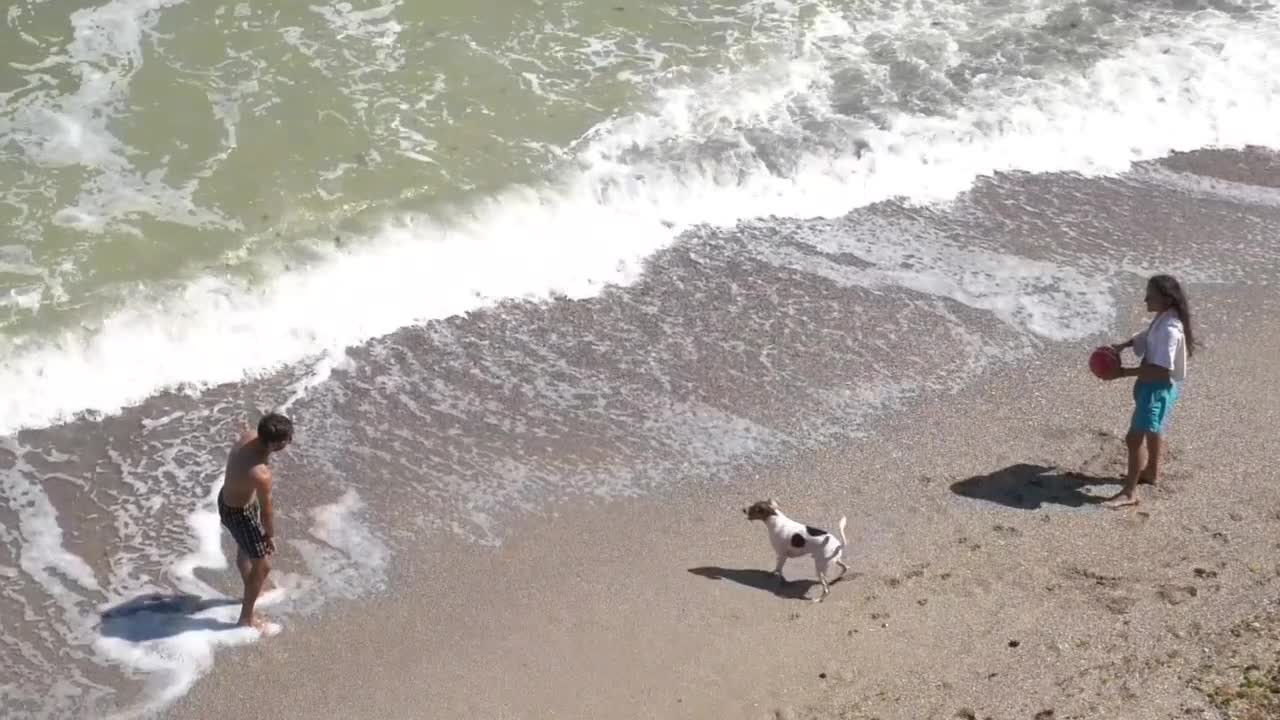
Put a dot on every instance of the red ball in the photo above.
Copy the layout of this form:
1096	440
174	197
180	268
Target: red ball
1104	362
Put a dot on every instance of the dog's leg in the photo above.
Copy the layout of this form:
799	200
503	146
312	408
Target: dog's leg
820	566
844	542
826	588
782	560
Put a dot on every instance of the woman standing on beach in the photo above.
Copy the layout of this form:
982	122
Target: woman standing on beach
1163	349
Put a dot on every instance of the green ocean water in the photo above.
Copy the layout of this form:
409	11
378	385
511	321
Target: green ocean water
147	142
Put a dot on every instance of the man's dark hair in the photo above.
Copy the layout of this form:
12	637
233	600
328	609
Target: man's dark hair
274	428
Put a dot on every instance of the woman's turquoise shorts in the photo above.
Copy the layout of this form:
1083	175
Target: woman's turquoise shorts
1152	405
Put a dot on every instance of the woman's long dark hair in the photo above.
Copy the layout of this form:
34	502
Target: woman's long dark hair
1171	290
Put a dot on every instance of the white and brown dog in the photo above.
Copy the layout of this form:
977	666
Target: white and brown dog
792	539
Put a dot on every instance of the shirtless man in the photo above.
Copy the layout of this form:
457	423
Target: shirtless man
244	504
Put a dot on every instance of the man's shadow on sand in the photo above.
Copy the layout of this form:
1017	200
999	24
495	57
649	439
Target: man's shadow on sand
159	615
1027	487
763	580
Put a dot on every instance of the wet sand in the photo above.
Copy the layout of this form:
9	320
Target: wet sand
986	580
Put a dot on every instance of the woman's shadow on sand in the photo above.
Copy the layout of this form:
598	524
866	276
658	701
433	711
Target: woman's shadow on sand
160	615
1027	487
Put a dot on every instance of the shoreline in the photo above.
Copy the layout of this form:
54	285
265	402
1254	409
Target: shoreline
546	463
614	610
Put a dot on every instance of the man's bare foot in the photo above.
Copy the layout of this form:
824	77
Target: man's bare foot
1120	500
257	622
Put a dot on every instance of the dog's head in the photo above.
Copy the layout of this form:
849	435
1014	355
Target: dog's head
761	510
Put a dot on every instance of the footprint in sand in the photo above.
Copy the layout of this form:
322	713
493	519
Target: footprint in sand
917	571
1107	590
1106	581
1176	594
1120	604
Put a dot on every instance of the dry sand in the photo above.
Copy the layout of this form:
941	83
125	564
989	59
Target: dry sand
985	581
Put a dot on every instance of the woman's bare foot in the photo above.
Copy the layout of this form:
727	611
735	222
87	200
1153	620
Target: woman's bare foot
1120	500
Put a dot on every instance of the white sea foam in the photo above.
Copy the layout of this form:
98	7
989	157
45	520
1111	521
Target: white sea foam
641	179
167	637
319	372
17	260
61	573
63	578
74	129
172	640
1211	187
1047	299
344	557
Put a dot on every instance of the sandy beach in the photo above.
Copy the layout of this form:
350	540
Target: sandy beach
986	581
551	291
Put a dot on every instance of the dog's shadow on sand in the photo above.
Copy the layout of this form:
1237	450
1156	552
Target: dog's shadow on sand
762	580
1027	487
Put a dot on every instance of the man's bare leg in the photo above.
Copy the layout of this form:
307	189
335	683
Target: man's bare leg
1129	495
243	564
256	578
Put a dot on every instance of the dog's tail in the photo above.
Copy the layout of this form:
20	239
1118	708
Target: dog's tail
843	521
